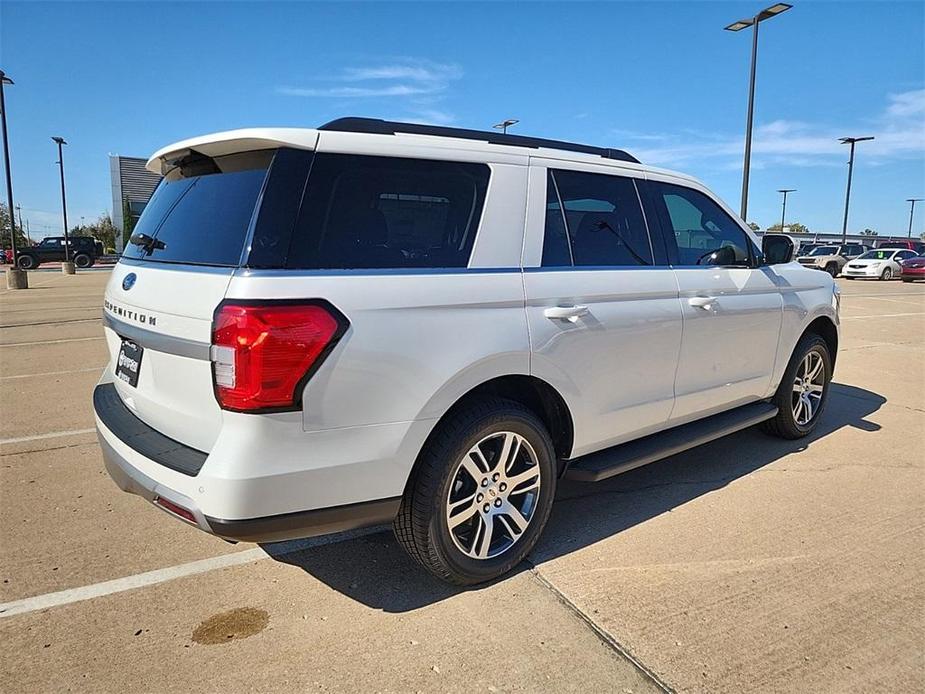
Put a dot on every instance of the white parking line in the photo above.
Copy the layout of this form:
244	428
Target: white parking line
52	373
150	578
52	342
884	315
49	435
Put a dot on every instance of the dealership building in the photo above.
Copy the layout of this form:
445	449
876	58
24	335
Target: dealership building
132	186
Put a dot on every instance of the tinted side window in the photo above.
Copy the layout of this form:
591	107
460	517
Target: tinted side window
602	219
703	232
365	212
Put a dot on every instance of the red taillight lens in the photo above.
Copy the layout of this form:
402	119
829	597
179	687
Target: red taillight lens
261	352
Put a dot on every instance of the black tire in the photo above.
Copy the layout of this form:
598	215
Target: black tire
82	260
421	526
905	280
887	273
27	262
847	277
785	425
832	269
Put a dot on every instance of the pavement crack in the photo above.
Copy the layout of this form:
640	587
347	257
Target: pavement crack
605	636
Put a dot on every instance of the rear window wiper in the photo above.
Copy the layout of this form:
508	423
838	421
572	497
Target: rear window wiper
148	243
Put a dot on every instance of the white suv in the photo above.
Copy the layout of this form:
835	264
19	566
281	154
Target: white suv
315	330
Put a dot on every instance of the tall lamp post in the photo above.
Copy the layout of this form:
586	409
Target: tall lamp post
849	141
783	212
771	11
505	124
912	202
15	278
68	267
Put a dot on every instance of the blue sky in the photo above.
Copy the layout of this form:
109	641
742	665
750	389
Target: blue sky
660	79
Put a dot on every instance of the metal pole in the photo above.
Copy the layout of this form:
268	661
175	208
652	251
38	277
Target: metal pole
844	226
911	212
748	123
783	212
6	162
67	243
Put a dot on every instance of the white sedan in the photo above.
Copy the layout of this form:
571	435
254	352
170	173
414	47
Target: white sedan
881	264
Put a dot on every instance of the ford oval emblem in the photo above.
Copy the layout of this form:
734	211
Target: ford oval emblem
128	281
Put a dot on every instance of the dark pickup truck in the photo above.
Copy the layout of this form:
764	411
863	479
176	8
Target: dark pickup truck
84	252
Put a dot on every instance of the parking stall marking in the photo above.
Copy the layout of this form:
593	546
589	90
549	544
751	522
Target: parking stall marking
51	342
150	578
53	373
49	435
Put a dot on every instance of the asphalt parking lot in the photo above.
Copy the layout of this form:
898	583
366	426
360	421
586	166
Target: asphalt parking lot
747	564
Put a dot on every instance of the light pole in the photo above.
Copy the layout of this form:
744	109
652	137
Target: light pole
15	278
783	212
68	267
771	11
505	124
912	202
849	141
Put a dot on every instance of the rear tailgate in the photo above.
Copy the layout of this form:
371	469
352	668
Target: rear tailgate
167	311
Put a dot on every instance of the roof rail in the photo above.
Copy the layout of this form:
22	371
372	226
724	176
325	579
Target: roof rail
384	127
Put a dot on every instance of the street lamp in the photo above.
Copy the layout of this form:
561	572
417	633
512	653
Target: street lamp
505	124
783	212
912	212
66	268
771	11
15	278
849	141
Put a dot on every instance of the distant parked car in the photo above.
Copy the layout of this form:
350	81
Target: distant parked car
832	258
913	269
917	246
883	263
84	252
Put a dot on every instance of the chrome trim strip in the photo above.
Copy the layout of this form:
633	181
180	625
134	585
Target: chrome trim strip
159	342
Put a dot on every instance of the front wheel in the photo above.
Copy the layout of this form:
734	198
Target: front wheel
887	274
803	391
480	494
832	269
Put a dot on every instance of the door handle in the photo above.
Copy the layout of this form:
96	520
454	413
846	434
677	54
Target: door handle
704	302
569	313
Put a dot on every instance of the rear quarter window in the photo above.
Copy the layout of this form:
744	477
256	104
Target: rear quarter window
364	212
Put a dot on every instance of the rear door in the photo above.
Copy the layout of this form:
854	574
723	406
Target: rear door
162	295
602	306
732	309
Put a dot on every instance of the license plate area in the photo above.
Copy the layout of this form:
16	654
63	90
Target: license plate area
129	362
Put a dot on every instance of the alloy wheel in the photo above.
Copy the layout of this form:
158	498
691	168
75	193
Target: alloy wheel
887	274
808	387
493	495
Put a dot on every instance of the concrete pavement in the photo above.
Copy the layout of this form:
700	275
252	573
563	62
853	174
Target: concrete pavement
747	564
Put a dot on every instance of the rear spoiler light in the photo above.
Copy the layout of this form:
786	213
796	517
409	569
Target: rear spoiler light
264	352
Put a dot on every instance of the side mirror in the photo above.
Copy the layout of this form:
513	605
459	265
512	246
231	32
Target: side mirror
777	249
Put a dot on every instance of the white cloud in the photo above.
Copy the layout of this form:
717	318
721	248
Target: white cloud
899	132
403	78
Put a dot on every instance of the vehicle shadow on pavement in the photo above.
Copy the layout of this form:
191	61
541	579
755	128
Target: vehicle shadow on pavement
375	571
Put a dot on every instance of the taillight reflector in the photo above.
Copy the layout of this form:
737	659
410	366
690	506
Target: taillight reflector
183	513
263	352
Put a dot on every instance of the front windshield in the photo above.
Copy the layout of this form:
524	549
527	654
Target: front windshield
877	255
824	250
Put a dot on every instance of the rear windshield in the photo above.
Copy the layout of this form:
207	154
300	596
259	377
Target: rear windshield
201	211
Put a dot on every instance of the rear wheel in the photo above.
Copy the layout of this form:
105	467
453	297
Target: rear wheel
83	260
803	391
887	274
480	494
906	280
27	262
832	269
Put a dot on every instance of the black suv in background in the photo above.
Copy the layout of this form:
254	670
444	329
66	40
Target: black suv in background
84	252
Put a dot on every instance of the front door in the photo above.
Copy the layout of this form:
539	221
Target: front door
731	308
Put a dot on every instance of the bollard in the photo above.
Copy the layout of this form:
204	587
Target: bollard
67	268
16	278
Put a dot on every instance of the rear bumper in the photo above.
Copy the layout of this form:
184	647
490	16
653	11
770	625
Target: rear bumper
124	460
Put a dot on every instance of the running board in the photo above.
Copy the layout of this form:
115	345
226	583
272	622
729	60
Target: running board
613	461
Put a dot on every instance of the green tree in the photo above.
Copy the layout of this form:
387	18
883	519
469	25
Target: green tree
869	232
793	227
754	226
101	229
5	230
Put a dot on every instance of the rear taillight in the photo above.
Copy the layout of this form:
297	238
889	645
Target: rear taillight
263	352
